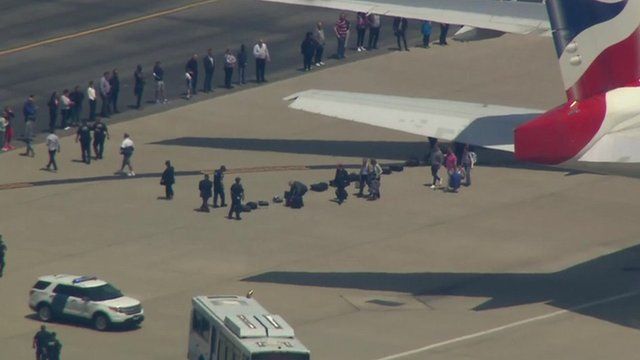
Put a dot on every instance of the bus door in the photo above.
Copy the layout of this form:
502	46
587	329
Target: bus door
199	336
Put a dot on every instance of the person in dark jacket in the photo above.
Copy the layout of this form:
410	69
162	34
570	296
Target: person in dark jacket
400	25
444	29
54	105
218	187
138	86
114	81
294	197
54	347
84	135
3	251
209	64
308	49
40	341
242	64
341	180
168	179
100	133
237	195
77	97
205	186
192	68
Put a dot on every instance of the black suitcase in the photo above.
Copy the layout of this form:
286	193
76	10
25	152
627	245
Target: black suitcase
386	170
320	187
396	167
246	208
253	205
263	203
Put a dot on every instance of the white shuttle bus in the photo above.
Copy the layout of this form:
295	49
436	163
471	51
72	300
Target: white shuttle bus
239	328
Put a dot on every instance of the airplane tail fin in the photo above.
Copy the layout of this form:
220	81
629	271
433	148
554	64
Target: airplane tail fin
598	44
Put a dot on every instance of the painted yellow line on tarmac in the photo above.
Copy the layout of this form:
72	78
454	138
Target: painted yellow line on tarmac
106	27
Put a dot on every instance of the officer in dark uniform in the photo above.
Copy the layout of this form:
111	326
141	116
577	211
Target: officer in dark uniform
3	251
168	179
84	135
294	197
205	186
40	341
54	347
100	133
342	181
218	187
237	195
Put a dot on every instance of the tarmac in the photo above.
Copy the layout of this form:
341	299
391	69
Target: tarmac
527	263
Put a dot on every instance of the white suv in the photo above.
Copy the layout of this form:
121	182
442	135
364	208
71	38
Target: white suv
83	297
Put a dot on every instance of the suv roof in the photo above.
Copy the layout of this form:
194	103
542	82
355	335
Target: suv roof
75	280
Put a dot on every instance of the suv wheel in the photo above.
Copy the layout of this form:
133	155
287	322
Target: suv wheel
44	313
100	322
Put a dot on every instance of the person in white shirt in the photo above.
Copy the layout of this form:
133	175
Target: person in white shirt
229	64
261	54
105	94
91	95
126	149
53	145
65	108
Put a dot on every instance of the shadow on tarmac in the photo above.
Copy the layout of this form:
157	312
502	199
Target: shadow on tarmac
603	277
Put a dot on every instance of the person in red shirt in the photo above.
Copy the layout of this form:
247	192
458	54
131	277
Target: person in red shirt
341	30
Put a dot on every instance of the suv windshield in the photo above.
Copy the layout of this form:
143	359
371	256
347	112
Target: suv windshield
101	293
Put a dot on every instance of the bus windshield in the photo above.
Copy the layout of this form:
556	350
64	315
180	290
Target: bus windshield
280	356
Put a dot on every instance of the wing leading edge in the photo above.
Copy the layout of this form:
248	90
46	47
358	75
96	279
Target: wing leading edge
483	125
506	16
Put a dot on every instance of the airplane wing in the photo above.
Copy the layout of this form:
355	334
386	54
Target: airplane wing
506	16
617	147
483	125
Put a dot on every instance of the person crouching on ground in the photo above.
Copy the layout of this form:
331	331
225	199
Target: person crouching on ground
294	196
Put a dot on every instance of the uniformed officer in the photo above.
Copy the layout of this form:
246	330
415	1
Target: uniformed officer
84	135
168	179
3	250
218	187
341	180
54	347
237	195
100	133
205	192
40	341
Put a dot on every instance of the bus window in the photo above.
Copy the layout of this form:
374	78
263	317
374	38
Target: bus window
201	326
213	342
280	356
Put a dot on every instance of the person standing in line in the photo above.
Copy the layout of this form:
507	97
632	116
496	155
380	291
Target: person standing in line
77	97
91	96
229	63
8	116
218	187
126	149
365	169
444	29
100	133
308	49
138	87
53	105
376	178
53	145
105	93
237	195
40	341
242	65
468	161
261	54
54	347
209	64
451	161
168	179
374	30
320	42
65	106
205	192
188	78
114	81
3	252
361	28
30	111
341	29
400	25
192	67
84	135
341	180
3	128
436	158
158	78
426	33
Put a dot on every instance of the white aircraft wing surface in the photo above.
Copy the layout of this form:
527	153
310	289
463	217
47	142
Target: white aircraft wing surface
477	124
506	16
617	147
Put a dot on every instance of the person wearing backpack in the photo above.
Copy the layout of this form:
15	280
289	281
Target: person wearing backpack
469	159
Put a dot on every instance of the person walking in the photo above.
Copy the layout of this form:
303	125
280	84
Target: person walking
318	35
237	195
341	180
229	64
426	33
91	96
114	81
376	178
53	104
400	25
29	151
436	158
158	78
374	30
192	67
53	145
77	97
100	133
218	187
341	30
444	29
468	161
261	54
3	252
40	341
8	116
65	108
242	65
54	347
84	135
361	28
308	49
205	186
138	87
105	93
168	179
209	64
30	111
126	149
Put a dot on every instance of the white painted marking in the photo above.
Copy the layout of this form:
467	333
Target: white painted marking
509	326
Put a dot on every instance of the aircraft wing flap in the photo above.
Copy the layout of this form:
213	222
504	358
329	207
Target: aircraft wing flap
483	125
